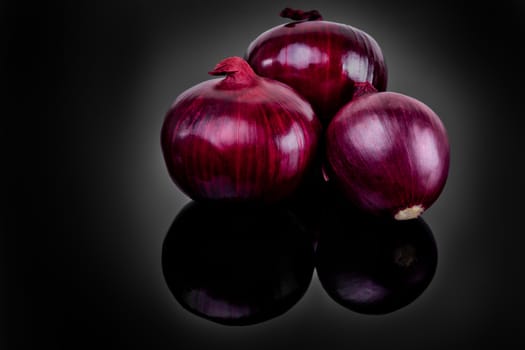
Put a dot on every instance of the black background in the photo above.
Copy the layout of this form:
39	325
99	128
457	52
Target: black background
88	199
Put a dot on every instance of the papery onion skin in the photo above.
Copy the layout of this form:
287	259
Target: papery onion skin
326	62
241	138
237	264
375	265
389	153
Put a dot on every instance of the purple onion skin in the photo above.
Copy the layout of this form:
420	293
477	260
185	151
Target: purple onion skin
326	62
237	264
375	265
241	138
389	154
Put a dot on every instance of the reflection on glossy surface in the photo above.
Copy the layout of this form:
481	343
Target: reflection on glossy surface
375	266
237	265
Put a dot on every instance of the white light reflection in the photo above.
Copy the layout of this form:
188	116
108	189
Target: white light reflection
360	289
213	306
300	56
267	62
290	144
370	137
228	131
357	67
427	154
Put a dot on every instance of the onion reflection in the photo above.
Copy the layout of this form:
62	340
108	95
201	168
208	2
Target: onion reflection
375	266
237	265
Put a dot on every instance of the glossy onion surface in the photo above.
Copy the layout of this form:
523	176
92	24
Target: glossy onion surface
239	138
322	60
237	264
389	153
375	266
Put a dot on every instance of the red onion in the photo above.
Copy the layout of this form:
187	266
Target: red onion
389	153
326	62
239	138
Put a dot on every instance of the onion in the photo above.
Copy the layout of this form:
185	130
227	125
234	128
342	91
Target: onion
375	265
239	138
326	62
388	153
237	264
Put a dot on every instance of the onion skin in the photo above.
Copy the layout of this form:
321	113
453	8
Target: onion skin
389	154
237	264
326	62
375	265
241	138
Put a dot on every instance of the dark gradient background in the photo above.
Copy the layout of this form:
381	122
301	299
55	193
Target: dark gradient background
89	201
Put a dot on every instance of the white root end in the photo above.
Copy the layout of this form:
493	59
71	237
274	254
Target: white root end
409	213
325	175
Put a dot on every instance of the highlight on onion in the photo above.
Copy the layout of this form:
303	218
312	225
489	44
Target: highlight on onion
239	138
326	62
237	264
389	154
375	265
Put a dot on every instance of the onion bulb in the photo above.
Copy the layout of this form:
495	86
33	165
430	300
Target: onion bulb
239	138
326	62
388	153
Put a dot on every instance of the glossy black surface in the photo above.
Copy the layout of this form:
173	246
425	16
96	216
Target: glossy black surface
237	264
87	200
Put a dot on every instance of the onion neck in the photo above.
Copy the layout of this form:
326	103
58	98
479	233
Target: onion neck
238	73
363	88
300	15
